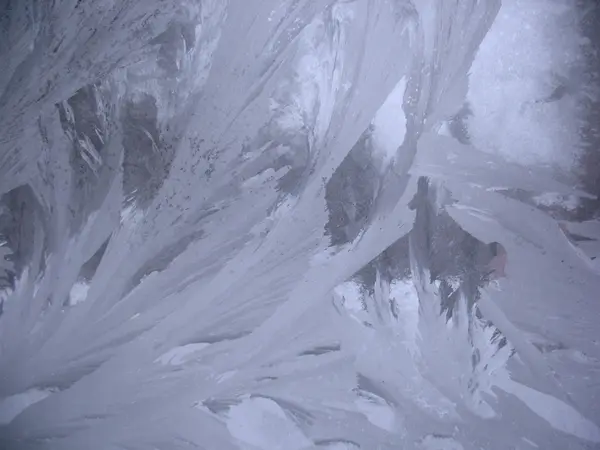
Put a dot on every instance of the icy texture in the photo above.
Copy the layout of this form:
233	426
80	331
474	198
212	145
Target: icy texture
254	225
528	83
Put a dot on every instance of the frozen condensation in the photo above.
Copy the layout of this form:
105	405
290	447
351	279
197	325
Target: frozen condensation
297	224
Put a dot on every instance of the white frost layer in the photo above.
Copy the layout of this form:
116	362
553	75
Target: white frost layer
180	355
530	54
78	292
262	424
232	280
558	414
569	202
377	412
389	124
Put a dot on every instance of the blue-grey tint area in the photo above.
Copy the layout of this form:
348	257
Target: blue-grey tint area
299	224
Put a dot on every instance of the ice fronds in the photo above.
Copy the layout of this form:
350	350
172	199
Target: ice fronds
251	225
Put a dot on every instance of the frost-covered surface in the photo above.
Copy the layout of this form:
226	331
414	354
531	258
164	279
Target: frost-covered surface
529	82
294	224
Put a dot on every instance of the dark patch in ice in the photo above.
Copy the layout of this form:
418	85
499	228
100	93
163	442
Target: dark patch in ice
579	238
350	193
392	264
267	379
17	229
368	385
589	161
458	125
204	338
93	163
174	42
7	272
147	159
88	269
547	347
331	442
452	256
220	406
321	350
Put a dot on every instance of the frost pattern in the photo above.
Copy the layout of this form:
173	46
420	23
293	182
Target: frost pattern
234	227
